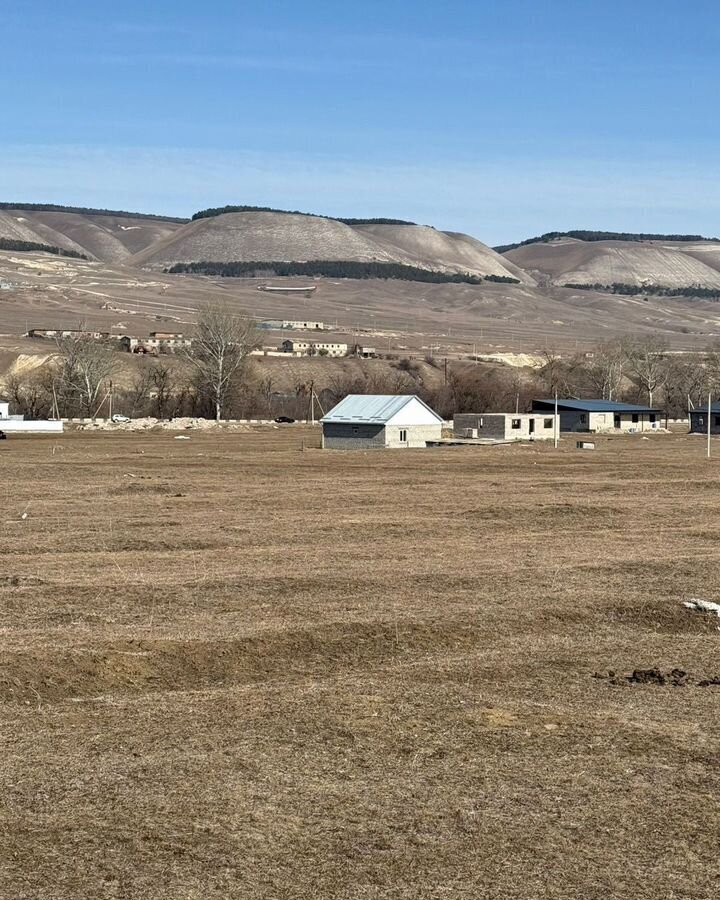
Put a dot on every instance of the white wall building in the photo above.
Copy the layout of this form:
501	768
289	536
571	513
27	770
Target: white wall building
314	348
16	424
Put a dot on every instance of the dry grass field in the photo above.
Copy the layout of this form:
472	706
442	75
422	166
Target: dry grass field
232	669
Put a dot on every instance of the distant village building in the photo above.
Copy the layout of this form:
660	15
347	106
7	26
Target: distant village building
156	342
68	332
364	352
377	421
506	426
313	348
298	325
601	415
699	420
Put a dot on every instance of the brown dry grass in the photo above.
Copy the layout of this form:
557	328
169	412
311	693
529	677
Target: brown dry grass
231	669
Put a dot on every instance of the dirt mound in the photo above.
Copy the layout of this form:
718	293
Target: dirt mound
655	676
165	664
148	423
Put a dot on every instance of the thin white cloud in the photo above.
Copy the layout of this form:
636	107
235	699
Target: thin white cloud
496	201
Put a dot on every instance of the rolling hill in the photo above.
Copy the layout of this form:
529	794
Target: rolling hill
669	264
99	234
274	236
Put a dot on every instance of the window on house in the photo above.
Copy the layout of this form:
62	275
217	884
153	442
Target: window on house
583	418
548	423
403	435
635	417
356	430
717	421
515	423
652	417
701	421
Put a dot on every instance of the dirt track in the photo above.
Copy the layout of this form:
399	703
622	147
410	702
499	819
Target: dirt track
233	669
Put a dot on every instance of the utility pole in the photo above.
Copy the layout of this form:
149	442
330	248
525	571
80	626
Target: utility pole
446	370
312	402
556	428
708	422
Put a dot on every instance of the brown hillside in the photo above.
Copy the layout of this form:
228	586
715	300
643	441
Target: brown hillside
249	236
447	250
570	261
108	238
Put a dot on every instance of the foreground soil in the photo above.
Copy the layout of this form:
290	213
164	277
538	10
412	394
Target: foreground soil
233	669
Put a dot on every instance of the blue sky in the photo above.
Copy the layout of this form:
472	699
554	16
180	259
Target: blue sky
502	119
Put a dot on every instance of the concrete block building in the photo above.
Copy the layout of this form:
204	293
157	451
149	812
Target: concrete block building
506	426
377	421
699	420
601	415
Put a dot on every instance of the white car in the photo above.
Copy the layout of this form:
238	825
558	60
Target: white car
119	419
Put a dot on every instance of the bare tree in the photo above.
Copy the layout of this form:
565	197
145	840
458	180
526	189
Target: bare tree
139	393
163	386
85	365
604	370
712	367
564	375
647	362
686	384
219	349
30	396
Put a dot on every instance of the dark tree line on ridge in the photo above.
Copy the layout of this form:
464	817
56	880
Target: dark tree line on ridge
332	269
655	290
222	210
591	236
28	246
87	211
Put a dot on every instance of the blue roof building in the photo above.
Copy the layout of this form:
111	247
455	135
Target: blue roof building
601	415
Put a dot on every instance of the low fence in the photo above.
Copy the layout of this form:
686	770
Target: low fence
19	426
100	421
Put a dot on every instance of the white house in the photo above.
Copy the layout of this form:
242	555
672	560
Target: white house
374	421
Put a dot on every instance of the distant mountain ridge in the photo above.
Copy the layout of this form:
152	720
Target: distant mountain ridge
223	210
242	234
664	267
88	211
585	235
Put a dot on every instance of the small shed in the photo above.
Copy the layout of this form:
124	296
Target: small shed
601	415
505	426
376	421
699	420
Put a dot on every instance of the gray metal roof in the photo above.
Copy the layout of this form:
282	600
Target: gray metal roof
715	409
375	409
594	406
